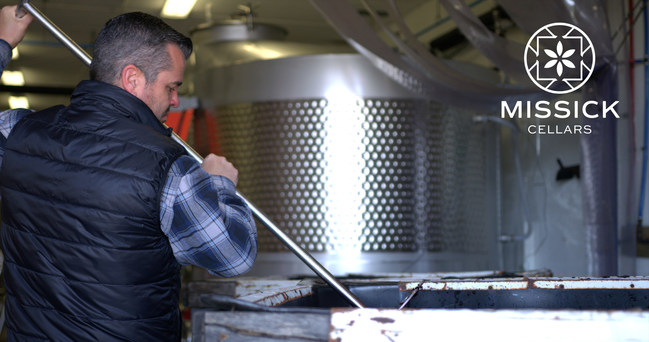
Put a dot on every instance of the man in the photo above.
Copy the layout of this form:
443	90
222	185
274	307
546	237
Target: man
100	206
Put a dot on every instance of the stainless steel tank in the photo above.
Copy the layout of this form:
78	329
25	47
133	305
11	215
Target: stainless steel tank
363	174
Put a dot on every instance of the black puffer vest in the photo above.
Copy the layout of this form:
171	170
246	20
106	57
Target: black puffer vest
85	259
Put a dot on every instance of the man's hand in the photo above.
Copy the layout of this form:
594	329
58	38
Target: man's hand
217	165
12	28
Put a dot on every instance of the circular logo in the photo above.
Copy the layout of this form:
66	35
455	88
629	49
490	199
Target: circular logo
559	58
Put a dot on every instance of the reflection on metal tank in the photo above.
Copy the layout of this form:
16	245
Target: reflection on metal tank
363	174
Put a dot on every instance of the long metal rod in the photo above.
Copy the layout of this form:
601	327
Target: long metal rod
53	29
294	247
288	242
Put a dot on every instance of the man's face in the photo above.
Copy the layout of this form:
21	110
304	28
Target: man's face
162	94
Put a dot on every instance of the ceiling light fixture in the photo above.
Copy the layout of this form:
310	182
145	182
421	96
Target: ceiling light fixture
177	9
18	102
13	78
14	53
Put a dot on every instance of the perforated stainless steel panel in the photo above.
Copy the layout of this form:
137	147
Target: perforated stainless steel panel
454	182
360	173
336	176
362	176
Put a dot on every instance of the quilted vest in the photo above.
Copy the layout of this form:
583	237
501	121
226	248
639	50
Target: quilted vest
85	259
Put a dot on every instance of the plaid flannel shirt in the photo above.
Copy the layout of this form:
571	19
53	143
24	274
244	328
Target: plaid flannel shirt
206	223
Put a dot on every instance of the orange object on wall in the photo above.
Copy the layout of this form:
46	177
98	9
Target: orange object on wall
206	135
180	122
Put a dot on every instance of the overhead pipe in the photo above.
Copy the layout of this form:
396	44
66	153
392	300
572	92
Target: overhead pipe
25	7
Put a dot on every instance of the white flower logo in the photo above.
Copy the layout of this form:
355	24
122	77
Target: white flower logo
559	58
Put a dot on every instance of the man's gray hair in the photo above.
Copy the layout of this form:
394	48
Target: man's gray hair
135	38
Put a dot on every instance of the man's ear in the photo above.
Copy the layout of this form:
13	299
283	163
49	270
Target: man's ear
133	79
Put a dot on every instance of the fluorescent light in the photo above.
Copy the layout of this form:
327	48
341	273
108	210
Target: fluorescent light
178	9
14	53
13	78
18	102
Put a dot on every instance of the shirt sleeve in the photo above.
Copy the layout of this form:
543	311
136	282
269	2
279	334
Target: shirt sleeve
5	54
8	118
207	224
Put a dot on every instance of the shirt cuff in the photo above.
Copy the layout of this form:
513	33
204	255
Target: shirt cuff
5	54
224	183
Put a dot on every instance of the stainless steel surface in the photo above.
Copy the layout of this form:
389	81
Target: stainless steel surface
284	79
295	248
358	171
356	181
304	256
338	176
411	65
238	31
225	44
286	240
